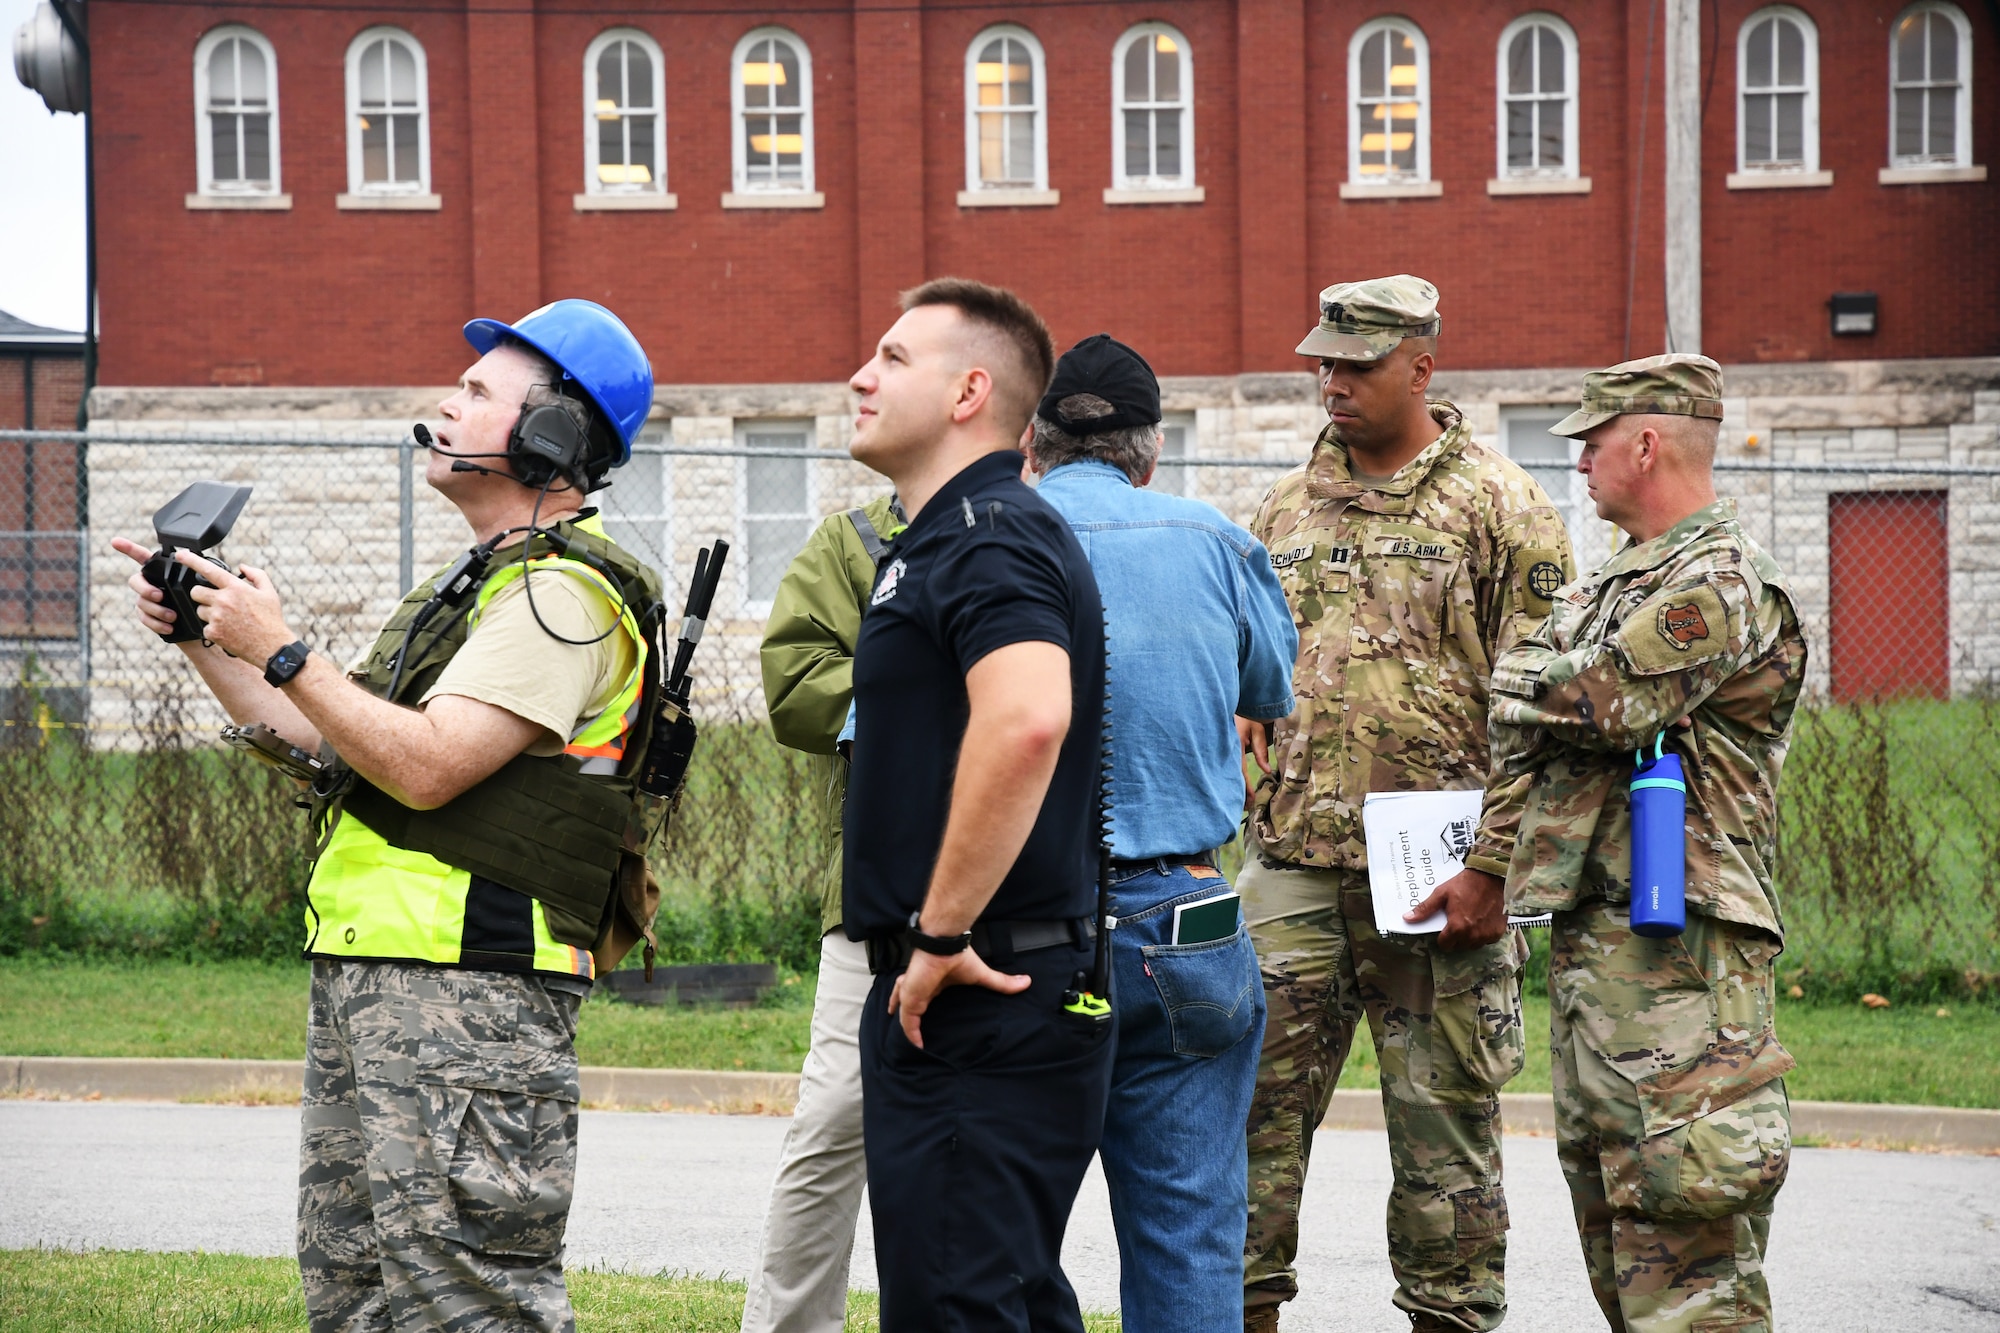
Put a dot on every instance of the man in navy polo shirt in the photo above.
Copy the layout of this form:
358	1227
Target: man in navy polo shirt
971	852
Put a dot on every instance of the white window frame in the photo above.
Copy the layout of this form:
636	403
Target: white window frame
1386	183
1119	179
739	145
1182	480
1567	36
1039	109
1810	114
591	55
355	184
652	514
1962	138
204	142
1593	538
745	427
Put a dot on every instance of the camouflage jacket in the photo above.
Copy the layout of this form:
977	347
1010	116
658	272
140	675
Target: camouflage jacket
1696	623
1403	594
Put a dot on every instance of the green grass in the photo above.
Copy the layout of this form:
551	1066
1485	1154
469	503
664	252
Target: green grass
243	1010
119	1291
257	1011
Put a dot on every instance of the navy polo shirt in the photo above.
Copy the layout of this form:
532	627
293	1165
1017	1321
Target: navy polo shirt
985	564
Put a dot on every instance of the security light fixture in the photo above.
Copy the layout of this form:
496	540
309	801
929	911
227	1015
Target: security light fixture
1853	314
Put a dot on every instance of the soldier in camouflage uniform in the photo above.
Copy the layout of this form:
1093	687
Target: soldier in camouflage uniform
1410	555
1670	1102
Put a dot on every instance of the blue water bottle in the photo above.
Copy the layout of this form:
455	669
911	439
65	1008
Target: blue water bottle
1659	844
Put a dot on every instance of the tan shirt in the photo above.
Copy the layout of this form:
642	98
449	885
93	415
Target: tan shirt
511	662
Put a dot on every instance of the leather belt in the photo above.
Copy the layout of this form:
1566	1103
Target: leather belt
1207	858
990	938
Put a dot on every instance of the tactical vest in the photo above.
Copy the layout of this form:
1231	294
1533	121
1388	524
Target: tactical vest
517	873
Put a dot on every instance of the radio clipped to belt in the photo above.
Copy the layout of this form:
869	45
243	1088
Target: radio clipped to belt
1088	999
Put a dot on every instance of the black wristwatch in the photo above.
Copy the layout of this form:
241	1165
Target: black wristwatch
945	945
285	663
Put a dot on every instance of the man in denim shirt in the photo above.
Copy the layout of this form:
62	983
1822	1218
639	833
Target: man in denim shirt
1197	630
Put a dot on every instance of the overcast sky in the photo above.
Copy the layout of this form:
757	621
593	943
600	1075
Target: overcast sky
41	196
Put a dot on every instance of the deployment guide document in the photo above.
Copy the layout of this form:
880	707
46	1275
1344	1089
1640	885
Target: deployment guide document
1416	841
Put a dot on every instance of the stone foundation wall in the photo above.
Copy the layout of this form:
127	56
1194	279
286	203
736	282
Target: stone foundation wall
325	520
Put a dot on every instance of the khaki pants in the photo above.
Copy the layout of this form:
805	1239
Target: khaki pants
1672	1123
1447	1032
800	1283
437	1155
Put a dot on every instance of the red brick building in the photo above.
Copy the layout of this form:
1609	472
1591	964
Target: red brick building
298	204
244	241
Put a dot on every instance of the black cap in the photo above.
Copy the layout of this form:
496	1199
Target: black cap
1101	384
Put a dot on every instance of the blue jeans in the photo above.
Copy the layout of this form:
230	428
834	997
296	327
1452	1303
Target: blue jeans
1190	1026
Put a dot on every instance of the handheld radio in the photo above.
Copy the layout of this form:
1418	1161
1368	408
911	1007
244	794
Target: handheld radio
665	765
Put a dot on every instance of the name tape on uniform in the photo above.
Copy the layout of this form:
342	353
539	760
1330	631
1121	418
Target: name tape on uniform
1414	548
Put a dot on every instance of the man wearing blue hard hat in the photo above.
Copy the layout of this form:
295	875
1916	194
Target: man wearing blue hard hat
482	829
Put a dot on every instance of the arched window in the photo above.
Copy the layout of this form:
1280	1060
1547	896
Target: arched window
772	89
236	113
624	115
1152	116
1538	115
388	115
1930	94
1388	113
1777	89
1006	137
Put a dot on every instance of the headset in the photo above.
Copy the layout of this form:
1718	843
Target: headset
545	443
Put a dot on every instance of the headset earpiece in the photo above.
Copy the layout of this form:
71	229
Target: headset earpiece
546	442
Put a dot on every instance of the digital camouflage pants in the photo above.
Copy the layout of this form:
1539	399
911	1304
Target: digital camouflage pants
1672	1123
1447	1030
438	1150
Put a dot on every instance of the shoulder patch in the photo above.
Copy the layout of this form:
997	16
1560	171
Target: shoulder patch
1541	574
1676	629
892	578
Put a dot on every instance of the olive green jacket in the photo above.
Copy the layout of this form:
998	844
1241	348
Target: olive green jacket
808	659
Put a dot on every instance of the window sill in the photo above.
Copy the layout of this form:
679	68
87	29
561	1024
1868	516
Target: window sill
775	199
1192	194
625	203
1396	190
1009	198
245	203
1506	185
1929	175
1778	180
388	203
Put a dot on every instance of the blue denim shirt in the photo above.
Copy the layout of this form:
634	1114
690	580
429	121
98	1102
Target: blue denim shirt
1199	631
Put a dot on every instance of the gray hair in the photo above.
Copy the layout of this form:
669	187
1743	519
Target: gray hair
1131	449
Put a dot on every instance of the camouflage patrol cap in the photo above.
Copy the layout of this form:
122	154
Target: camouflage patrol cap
1363	321
1674	383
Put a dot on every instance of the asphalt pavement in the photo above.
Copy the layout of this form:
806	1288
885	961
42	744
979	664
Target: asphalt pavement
1862	1242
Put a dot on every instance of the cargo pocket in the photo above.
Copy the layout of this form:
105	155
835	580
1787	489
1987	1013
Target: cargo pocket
1213	992
1727	1162
498	1170
1478	1040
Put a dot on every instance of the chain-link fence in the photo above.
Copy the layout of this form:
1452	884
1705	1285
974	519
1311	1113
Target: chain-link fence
1892	848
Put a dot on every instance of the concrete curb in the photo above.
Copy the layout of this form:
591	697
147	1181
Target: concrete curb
722	1091
66	1078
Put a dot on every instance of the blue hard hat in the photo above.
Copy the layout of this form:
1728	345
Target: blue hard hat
593	348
